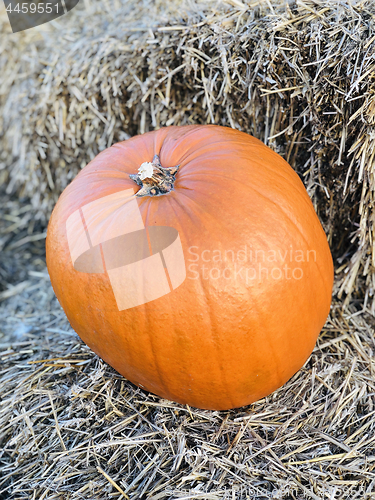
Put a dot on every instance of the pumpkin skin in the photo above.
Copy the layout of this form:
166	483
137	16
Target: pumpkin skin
217	341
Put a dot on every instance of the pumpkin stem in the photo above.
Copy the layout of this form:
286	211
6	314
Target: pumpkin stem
154	179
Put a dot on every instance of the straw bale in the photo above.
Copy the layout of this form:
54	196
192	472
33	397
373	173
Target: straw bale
297	75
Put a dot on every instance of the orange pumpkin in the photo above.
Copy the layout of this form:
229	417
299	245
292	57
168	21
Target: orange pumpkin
204	278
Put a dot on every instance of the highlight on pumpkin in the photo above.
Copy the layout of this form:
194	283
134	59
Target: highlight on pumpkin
142	263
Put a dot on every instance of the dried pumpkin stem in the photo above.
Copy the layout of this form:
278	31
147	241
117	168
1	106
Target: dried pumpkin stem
154	179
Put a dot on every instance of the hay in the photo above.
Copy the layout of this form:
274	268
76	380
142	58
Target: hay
73	428
299	76
18	229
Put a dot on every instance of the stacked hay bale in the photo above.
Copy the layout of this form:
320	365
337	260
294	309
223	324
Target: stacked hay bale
297	75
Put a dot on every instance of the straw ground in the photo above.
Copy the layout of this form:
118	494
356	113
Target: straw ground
73	428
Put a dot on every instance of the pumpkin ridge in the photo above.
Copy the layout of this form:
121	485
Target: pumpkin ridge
173	327
149	199
295	225
211	215
189	153
275	366
215	340
165	147
283	166
208	307
211	174
149	330
289	179
223	382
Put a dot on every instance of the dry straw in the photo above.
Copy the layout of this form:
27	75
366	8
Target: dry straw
298	75
73	428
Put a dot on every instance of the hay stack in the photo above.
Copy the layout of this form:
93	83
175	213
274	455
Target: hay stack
299	76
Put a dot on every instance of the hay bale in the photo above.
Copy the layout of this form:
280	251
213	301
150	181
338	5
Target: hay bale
299	76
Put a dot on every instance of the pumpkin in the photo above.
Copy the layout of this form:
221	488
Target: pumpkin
192	261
